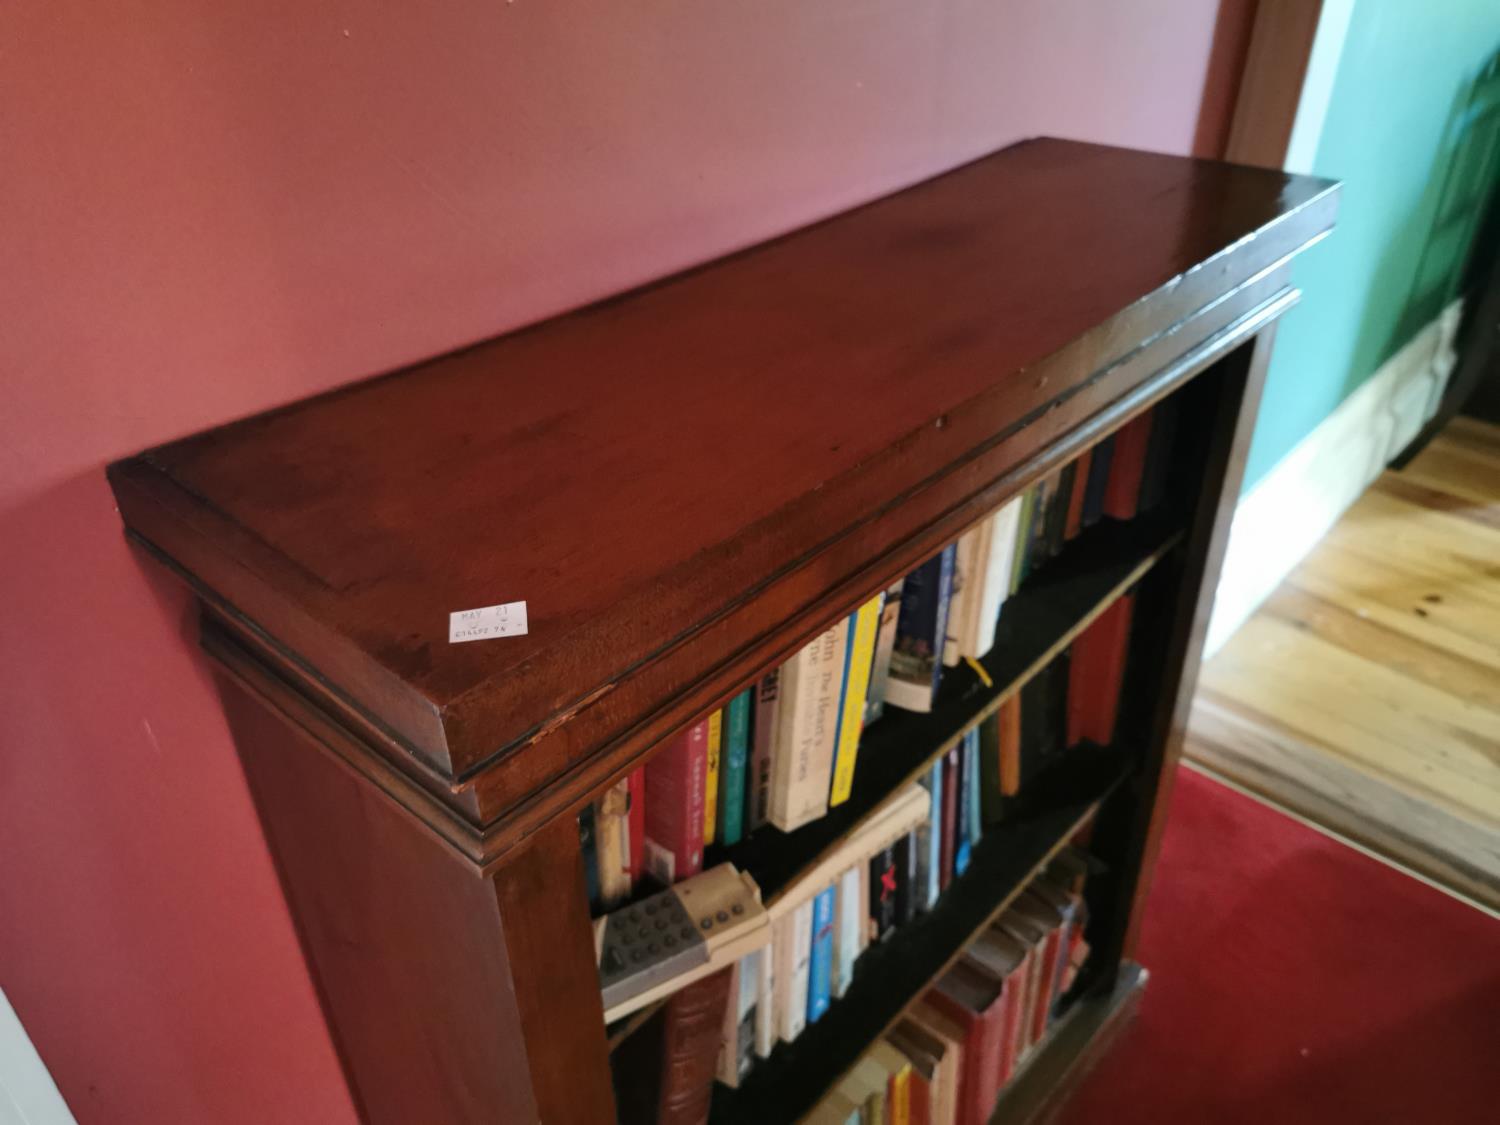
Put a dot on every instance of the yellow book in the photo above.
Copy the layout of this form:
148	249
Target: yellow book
711	777
898	1096
864	624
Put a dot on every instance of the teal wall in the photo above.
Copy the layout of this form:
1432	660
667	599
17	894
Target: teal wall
1397	133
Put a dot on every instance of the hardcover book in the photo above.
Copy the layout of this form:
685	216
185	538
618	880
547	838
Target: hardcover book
1021	567
810	689
1073	524
674	806
1096	673
1101	459
972	1000
916	663
734	764
1122	492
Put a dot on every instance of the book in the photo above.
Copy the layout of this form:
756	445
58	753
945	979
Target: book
1057	513
734	763
737	1036
849	923
972	1000
930	841
1043	717
1070	908
869	1084
975	822
635	785
998	567
612	844
767	1030
965	576
1008	728
1095	674
674	807
1159	453
951	1035
1023	538
884	887
864	624
793	939
906	878
820	959
1101	458
763	749
1050	920
885	643
689	1051
1004	958
1040	517
898	1082
807	718
711	776
928	1055
916	661
963	842
949	825
1122	492
586	844
1032	938
1073	523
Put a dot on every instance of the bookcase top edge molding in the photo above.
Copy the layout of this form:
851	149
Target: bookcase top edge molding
514	568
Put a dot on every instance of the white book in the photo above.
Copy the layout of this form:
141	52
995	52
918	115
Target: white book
765	1002
737	1033
965	575
847	926
791	980
1004	531
807	729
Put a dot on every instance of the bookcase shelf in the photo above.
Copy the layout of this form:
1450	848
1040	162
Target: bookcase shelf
684	485
894	973
1047	613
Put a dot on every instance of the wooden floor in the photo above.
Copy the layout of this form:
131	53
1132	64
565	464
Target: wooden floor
1365	694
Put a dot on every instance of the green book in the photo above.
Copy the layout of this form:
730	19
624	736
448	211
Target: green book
733	765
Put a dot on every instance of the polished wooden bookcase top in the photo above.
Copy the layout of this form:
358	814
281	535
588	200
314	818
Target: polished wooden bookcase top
685	482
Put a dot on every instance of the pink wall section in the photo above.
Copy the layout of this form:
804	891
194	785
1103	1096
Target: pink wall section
212	208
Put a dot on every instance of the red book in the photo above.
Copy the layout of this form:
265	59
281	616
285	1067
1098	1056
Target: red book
1045	915
636	784
1074	523
973	999
1096	670
674	806
1033	939
949	827
1005	958
1122	492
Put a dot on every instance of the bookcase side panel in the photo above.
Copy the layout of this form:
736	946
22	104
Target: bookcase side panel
1180	596
426	1029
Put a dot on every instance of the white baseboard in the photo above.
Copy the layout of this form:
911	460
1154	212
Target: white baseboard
1284	515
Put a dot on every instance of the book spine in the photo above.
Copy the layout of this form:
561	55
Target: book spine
733	763
880	665
763	753
950	818
1101	457
1023	539
976	820
1096	673
711	760
1057	517
864	623
611	832
906	879
884	885
765	1003
810	690
961	839
1122	492
929	834
820	958
958	601
999	566
1009	724
674	807
635	786
849	923
916	664
794	1014
1073	524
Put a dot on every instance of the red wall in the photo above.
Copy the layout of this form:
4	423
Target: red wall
210	208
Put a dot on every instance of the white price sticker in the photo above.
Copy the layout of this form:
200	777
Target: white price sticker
487	623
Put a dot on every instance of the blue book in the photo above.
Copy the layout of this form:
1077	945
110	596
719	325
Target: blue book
930	840
820	965
962	841
921	628
734	763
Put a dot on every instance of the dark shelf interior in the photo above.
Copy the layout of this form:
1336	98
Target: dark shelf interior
1050	609
891	975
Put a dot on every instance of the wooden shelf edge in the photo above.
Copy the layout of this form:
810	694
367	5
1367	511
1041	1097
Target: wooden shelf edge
1070	1051
776	1071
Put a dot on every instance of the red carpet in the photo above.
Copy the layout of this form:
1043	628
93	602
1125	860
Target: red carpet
1296	980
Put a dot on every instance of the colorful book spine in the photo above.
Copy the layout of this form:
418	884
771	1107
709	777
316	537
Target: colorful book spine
949	845
972	809
1096	673
711	776
811	684
674	806
820	959
880	664
884	887
763	751
734	761
962	842
1122	492
916	662
864	624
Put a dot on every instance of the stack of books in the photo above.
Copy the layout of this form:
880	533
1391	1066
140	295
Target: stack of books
785	751
949	1058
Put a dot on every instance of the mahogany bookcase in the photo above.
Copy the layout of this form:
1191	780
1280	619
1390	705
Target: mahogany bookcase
685	484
